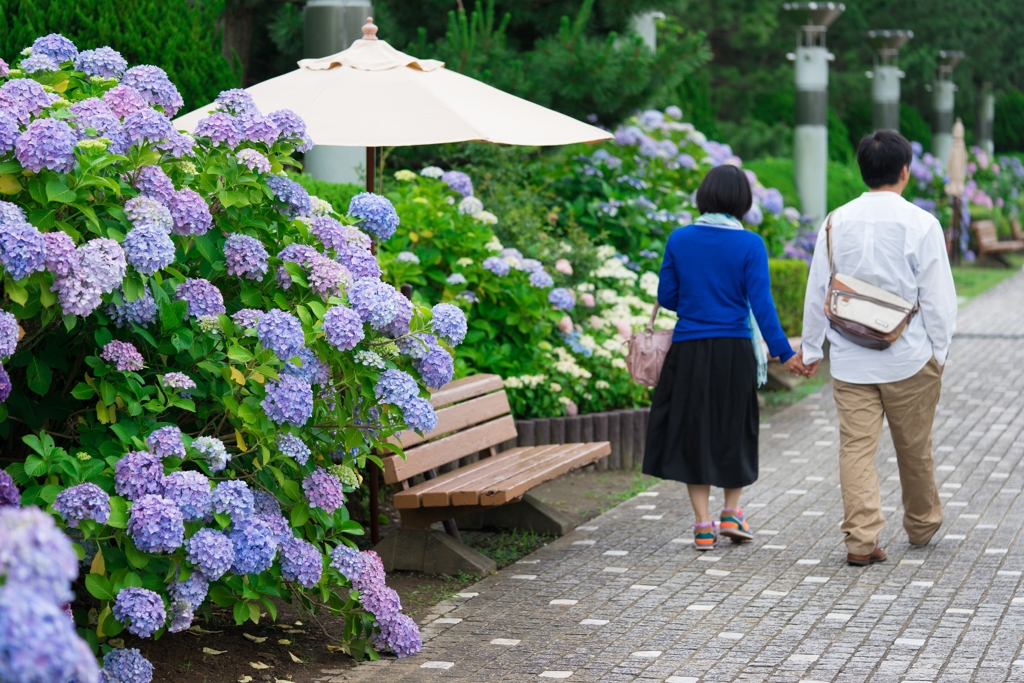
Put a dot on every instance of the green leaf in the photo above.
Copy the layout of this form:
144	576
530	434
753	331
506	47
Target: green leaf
136	557
118	513
271	608
207	248
107	392
230	198
39	376
251	296
57	191
241	612
223	520
98	587
254	612
132	287
111	626
300	514
35	466
172	314
17	292
222	595
132	579
182	338
238	354
291	489
12	166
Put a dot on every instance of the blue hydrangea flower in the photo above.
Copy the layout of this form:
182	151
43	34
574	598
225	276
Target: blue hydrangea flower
211	552
289	400
127	666
300	562
124	356
257	128
103	62
456	279
419	415
247	317
376	215
458	181
496	265
47	143
233	498
468	296
61	257
281	332
154	85
9	494
400	634
246	256
370	360
178	380
35	554
190	213
416	345
147	126
540	279
190	491
22	249
9	331
265	503
221	128
166	441
313	371
400	325
294	253
343	328
5	385
102	263
348	561
359	261
9	132
327	277
179	616
141	610
755	216
773	201
253	160
141	311
38	643
449	323
151	181
291	125
156	525
202	296
279	528
96	114
291	194
255	546
235	102
294	448
56	46
323	490
148	249
562	298
23	98
436	367
396	387
374	301
333	235
123	100
213	451
193	590
39	63
137	474
85	501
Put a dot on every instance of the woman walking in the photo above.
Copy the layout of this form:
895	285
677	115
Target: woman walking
704	416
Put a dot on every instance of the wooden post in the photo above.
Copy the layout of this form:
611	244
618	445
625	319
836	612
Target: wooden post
371	169
600	421
525	429
626	427
541	432
614	436
639	436
573	429
558	430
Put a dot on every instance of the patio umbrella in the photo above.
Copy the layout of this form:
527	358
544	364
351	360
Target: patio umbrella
956	169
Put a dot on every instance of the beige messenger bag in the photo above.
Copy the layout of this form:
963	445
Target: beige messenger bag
865	314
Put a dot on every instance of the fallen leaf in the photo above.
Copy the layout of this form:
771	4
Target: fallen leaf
197	630
255	639
298	623
284	641
294	658
116	643
335	648
245	679
259	665
211	651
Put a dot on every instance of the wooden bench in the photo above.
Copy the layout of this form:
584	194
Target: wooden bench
473	417
990	245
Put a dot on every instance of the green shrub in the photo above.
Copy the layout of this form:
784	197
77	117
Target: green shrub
776	172
844	181
789	282
1008	128
839	147
914	127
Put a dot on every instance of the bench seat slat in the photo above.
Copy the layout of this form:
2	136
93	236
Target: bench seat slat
515	487
454	418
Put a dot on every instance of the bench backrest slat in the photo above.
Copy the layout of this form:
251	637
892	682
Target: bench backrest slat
459	416
466	388
442	451
986	232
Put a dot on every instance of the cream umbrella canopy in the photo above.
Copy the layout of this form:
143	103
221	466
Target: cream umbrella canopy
956	169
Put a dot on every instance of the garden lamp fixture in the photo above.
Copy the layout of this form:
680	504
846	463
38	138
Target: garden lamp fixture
810	139
886	75
943	97
986	118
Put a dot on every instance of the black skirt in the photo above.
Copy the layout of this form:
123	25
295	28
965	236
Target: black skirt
704	417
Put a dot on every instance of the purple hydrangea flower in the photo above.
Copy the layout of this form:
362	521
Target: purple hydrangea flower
257	128
137	474
103	62
255	546
540	279
246	256
297	253
562	298
61	258
154	85
78	295
202	296
190	491
360	262
376	215
9	132
280	529
166	442
38	642
496	265
436	367
247	317
281	332
293	195
178	380
449	323
333	235
85	501
38	63
301	562
151	181
156	525
4	69
179	616
417	345
459	181
127	666
773	201
456	279
148	126
124	100
253	160
124	356
419	415
400	325
265	504
323	490
9	494
35	554
235	102
400	634
289	400
5	385
47	143
213	451
211	552
290	124
193	590
178	145
468	296
313	371
22	249
9	331
343	328
348	561
233	498
148	248
374	301
141	311
326	277
396	387
293	447
755	216
190	213
56	46
23	98
96	114
381	601
11	213
141	609
102	263
221	128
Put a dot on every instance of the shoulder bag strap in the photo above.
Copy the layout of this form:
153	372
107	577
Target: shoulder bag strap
654	314
828	241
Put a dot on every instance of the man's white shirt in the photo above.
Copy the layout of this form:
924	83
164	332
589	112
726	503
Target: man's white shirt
889	242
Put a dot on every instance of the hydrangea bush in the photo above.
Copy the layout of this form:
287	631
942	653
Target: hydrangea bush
184	337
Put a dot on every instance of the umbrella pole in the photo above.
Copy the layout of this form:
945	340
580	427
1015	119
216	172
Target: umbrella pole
371	177
371	169
954	247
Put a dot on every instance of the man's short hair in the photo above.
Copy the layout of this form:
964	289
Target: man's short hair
882	156
725	189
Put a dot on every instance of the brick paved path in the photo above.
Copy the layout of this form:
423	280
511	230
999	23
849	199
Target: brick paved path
626	598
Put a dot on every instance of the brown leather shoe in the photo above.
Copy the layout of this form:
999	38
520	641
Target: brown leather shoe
877	555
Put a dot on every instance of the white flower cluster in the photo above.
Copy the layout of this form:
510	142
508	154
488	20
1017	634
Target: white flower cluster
566	364
615	269
494	245
528	381
649	283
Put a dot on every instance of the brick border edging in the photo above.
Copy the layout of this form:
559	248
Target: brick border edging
625	429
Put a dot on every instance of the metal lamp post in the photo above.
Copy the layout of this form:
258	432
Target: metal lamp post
986	119
810	139
886	75
943	98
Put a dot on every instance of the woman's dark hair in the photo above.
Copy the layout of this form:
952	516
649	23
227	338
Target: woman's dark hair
882	156
725	189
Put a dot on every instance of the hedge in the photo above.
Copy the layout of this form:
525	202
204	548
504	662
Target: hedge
789	282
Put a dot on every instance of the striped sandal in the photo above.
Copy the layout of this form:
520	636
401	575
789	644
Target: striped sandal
705	536
733	525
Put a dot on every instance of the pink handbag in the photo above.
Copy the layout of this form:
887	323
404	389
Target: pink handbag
647	351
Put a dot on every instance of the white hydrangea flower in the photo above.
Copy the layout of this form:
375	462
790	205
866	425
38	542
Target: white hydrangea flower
649	283
405	175
464	261
564	400
587	342
608	297
612	345
432	172
494	245
321	207
513	383
566	364
585	287
615	269
486	217
619	363
471	206
601	353
555	387
605	251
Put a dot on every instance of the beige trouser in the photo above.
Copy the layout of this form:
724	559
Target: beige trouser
909	406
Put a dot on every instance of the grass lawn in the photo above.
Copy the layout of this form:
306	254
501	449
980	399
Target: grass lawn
972	279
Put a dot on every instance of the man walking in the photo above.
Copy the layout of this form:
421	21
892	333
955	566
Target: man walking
889	242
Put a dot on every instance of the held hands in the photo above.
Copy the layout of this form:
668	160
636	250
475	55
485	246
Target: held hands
796	365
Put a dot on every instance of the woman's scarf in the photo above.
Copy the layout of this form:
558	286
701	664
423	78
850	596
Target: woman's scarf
724	220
